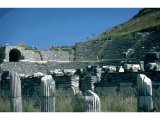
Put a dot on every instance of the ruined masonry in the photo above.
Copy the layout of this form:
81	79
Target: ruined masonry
25	61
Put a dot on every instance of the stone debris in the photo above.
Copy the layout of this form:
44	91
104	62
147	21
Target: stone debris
25	60
132	67
129	53
57	72
121	69
66	82
38	74
69	72
109	68
152	67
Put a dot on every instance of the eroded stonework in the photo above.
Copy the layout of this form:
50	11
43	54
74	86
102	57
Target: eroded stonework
17	53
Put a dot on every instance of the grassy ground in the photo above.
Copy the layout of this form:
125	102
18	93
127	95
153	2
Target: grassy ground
67	103
118	103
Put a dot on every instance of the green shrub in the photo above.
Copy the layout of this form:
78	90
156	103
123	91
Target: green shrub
85	73
78	103
27	47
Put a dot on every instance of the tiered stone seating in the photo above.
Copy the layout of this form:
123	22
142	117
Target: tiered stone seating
56	56
88	51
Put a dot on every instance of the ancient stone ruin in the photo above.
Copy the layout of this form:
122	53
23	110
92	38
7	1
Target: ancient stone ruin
127	63
29	73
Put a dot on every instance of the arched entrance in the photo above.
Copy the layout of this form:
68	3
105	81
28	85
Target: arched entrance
14	55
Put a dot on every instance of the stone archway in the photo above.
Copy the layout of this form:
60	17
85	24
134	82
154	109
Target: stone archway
14	55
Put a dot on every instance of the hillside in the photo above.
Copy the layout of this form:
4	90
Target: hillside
146	18
141	33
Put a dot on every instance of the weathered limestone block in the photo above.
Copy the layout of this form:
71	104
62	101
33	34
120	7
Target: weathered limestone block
38	74
109	69
144	93
132	67
141	63
57	72
98	73
69	72
121	69
92	102
15	92
75	82
129	53
152	67
48	94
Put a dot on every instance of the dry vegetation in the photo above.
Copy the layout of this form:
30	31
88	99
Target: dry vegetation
67	103
145	21
115	102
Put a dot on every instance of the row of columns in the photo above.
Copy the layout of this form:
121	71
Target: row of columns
92	101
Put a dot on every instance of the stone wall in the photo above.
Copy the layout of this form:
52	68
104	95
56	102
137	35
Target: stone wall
67	65
9	48
66	82
26	68
114	49
31	55
87	83
140	41
31	87
109	83
125	83
35	55
149	42
114	79
31	84
25	54
56	55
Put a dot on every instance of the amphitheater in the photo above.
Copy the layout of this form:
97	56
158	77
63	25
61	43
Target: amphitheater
92	65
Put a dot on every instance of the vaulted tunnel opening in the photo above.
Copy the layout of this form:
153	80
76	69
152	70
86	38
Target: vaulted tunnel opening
14	55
